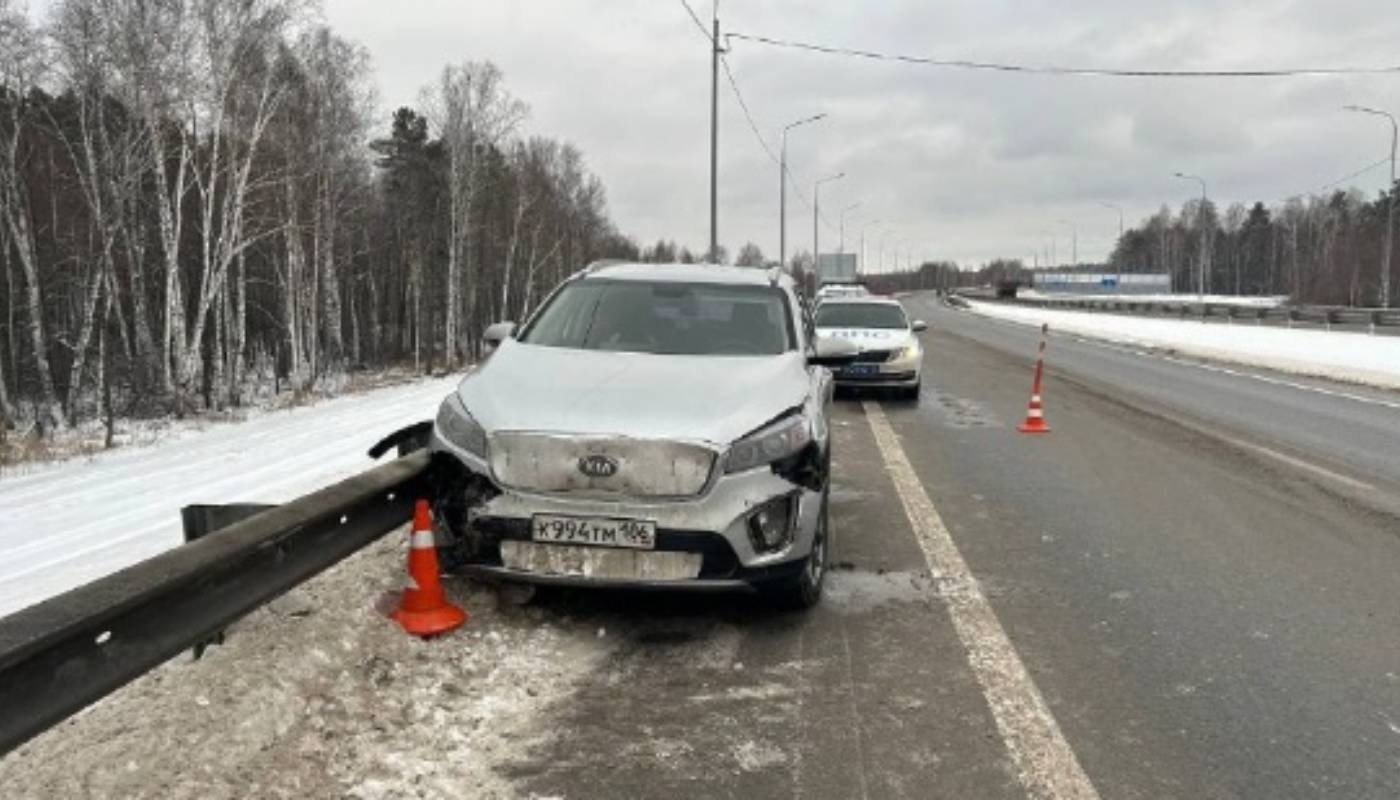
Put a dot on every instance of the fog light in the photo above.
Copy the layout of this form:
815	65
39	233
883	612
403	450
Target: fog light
770	527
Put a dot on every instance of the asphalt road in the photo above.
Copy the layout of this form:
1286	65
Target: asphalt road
1189	589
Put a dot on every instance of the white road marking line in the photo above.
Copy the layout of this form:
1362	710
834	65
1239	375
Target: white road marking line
1046	765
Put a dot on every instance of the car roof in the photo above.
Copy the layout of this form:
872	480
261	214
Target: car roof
687	273
861	299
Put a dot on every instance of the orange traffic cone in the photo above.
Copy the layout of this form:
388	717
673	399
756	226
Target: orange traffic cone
1035	413
423	610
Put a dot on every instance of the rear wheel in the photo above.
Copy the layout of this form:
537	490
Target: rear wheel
911	393
804	590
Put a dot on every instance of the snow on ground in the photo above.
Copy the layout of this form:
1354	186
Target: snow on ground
64	524
319	695
1213	299
1351	357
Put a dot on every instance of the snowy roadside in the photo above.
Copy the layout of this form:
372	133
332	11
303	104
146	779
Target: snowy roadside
64	524
1272	301
20	454
1349	357
319	695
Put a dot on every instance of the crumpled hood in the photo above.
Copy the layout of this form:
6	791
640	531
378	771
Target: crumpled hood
871	338
714	399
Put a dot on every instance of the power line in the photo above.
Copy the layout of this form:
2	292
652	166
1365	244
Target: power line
696	18
762	142
1324	187
993	66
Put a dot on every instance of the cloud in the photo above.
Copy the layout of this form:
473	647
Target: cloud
961	165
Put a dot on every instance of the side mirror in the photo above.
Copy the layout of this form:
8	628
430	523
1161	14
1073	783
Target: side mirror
829	351
499	332
919	326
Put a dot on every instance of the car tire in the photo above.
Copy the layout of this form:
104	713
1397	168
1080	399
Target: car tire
911	393
804	590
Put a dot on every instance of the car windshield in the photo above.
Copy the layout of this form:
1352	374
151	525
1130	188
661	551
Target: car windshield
860	315
665	317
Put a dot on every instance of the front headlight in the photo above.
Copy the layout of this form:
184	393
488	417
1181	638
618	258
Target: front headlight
777	441
909	352
458	427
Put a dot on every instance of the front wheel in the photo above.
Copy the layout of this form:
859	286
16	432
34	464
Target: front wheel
804	590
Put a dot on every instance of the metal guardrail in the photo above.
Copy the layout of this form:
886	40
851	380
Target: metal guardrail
66	652
1325	316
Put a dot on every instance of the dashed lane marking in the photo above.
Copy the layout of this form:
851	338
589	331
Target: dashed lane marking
1045	763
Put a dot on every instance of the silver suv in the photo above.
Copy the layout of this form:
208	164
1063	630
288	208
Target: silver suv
652	426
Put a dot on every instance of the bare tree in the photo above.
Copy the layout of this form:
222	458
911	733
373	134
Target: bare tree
21	59
474	112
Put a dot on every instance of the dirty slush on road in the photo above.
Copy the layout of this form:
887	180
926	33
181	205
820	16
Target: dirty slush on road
319	694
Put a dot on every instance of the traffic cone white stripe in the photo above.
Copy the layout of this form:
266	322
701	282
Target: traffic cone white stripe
421	539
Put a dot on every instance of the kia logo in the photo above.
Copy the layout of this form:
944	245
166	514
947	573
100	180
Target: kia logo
597	466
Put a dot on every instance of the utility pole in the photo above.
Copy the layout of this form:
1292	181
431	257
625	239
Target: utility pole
1390	211
1205	245
714	137
782	188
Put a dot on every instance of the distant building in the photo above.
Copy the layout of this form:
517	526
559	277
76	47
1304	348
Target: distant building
1102	282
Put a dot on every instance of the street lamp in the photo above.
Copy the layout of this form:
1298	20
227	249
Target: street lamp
782	187
1119	209
862	241
1390	211
1205	246
852	207
883	234
816	213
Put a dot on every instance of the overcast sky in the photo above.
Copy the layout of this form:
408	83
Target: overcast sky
960	165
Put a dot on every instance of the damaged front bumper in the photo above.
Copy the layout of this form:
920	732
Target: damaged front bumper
706	542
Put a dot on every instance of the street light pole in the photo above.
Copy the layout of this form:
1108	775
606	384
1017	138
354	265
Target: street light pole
1390	211
816	214
782	187
1205	245
852	207
862	241
1119	243
883	234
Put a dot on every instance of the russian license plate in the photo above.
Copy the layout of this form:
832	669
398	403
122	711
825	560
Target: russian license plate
859	370
596	531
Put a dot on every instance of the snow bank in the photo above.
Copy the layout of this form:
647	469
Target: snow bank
64	524
1213	299
1352	357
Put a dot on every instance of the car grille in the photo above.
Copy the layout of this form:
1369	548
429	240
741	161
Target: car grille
549	462
875	356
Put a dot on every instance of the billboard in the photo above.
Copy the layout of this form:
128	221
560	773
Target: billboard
836	267
1103	283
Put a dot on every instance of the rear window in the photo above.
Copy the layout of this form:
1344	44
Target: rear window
665	317
860	315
